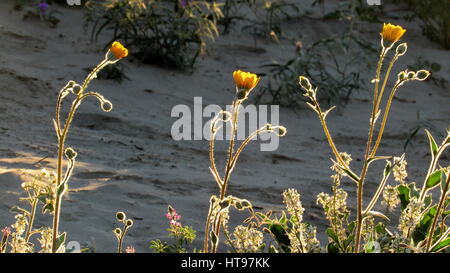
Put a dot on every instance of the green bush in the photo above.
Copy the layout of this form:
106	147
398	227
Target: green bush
170	33
338	79
435	15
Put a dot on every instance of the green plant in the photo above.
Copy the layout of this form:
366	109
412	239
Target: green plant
38	9
436	19
49	188
327	62
269	16
232	12
219	204
121	232
183	235
157	31
422	223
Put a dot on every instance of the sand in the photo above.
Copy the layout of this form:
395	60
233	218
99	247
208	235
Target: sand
127	160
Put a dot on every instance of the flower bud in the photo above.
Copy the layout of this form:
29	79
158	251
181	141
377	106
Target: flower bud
117	231
422	75
129	222
70	84
401	76
304	83
410	75
120	216
245	204
224	203
76	89
279	130
401	49
70	153
106	106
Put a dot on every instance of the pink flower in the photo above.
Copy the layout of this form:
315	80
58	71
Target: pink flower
173	217
130	249
175	223
6	231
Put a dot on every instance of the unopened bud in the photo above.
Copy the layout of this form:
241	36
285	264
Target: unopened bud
422	75
120	216
70	153
401	49
304	83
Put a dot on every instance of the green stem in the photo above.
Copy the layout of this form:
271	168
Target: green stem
438	211
31	222
360	183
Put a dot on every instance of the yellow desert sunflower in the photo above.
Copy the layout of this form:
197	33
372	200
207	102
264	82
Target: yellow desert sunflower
392	33
245	80
116	52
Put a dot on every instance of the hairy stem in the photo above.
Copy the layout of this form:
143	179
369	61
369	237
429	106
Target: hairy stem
438	211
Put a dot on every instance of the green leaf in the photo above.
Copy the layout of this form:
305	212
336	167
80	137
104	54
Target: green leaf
351	227
403	195
387	169
380	228
441	246
421	230
348	241
433	146
332	248
60	241
280	236
434	179
370	247
332	235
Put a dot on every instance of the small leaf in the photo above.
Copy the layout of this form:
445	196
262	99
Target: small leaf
387	169
433	145
332	235
434	179
403	195
60	241
421	230
332	248
441	246
378	214
280	236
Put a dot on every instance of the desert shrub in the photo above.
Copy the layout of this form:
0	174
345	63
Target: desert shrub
435	16
233	11
48	187
269	15
168	33
350	10
334	62
42	10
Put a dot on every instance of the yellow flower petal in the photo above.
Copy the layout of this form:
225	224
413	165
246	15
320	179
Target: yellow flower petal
245	80
118	50
392	33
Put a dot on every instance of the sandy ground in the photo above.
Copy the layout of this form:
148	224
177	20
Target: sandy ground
127	158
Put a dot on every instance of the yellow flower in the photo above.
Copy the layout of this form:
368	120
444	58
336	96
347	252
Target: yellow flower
245	80
392	33
118	50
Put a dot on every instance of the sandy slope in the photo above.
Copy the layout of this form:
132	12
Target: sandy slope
127	158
